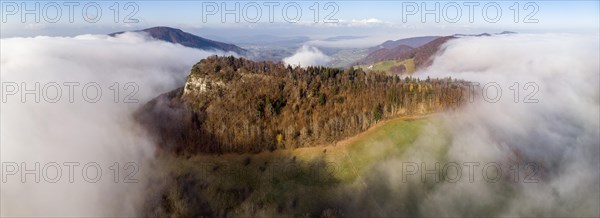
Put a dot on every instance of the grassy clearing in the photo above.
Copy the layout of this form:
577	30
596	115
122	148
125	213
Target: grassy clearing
385	66
410	65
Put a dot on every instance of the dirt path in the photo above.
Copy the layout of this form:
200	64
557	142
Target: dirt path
350	140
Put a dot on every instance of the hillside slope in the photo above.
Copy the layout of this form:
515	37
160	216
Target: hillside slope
320	181
419	51
422	55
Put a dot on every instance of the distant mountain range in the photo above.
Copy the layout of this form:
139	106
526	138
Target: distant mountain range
484	34
413	53
411	42
178	36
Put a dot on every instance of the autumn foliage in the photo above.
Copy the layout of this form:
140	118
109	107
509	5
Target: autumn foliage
235	105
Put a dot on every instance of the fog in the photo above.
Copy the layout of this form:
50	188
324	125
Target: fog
558	134
555	127
307	56
81	130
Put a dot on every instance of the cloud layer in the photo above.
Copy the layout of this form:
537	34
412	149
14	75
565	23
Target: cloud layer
559	134
307	56
80	131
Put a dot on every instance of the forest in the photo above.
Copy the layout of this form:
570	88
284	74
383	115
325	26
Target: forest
231	104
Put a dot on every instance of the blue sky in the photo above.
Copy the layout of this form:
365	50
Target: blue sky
397	18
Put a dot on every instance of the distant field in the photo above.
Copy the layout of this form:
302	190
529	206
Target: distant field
386	66
286	182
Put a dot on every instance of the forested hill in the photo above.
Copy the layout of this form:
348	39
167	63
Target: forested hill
235	105
178	36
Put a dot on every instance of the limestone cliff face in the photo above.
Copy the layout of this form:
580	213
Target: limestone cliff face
235	105
195	85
